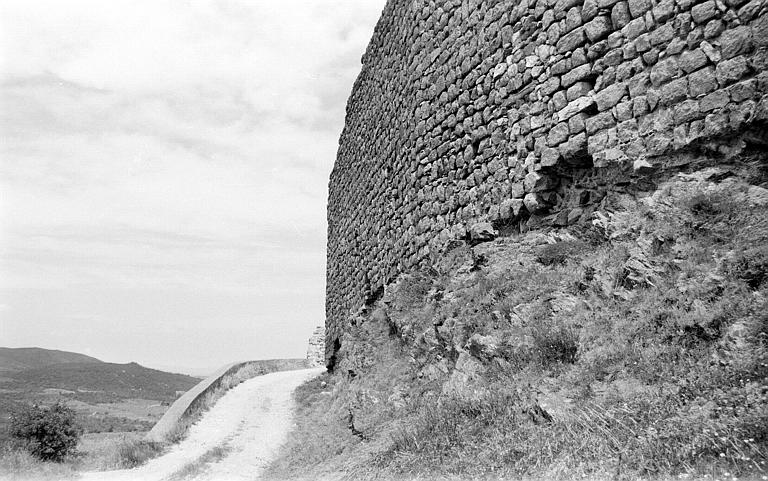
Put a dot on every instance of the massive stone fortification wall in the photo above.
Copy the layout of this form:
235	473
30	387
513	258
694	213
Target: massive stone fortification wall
509	111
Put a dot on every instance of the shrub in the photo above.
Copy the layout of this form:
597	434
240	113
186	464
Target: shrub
49	433
554	343
412	290
751	266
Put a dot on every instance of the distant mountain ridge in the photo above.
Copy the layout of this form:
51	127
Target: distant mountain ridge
103	380
103	393
33	369
21	358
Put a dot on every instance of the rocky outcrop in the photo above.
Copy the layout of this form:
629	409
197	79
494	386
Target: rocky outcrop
524	113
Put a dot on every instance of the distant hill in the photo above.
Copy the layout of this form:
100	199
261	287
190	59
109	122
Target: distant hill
103	381
133	393
17	359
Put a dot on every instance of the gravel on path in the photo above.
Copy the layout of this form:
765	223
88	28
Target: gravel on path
234	440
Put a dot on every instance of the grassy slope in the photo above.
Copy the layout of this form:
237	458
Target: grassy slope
637	346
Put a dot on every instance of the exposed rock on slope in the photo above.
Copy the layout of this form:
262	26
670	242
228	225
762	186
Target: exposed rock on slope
632	345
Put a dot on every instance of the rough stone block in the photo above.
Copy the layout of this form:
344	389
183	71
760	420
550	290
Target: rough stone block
743	90
704	11
760	31
658	144
537	182
599	122
638	7
664	10
675	46
575	147
620	15
729	71
571	40
663	71
634	29
613	58
715	100
602	140
610	96
482	232
710	51
589	10
557	134
662	35
715	124
640	106
598	28
579	73
536	203
572	19
624	110
702	82
691	60
714	28
579	89
674	91
576	123
650	57
638	84
627	130
686	111
549	86
736	41
579	105
510	208
550	157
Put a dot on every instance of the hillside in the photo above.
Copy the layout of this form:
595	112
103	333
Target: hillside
107	396
634	346
16	359
103	380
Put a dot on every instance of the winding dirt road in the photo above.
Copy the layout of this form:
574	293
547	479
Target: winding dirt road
233	441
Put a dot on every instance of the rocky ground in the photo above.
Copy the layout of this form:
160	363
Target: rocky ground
632	346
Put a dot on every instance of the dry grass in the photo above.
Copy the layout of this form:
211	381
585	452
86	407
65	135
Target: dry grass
643	355
18	465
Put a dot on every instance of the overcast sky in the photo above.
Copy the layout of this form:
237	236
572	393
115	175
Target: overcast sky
164	170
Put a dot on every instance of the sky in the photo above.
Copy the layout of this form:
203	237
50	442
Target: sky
163	173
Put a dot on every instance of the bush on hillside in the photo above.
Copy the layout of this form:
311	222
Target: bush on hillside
49	433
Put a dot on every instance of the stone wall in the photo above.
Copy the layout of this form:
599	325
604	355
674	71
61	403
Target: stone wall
316	348
499	110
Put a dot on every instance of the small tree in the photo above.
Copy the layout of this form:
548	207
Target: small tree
50	433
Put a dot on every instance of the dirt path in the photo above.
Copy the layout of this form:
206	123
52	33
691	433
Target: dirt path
233	441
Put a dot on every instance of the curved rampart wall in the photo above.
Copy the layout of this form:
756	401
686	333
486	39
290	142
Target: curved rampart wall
469	111
190	402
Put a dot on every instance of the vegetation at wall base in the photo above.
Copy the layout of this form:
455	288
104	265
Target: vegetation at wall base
632	347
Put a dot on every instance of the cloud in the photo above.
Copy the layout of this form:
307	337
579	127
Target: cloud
164	143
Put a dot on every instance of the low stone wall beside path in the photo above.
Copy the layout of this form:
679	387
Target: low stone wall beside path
189	403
